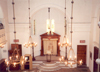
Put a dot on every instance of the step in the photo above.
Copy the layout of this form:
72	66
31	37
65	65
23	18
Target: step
51	66
37	62
49	69
49	63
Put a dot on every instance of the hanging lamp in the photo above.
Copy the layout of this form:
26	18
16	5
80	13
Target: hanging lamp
71	59
50	24
15	58
30	41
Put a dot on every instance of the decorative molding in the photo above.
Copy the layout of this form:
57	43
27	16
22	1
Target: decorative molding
80	22
96	44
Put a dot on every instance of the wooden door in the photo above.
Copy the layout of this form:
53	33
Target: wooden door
81	53
95	68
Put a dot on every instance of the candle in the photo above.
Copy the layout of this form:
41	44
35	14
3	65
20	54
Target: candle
65	63
80	62
10	58
17	56
23	57
70	57
75	57
22	62
7	62
60	59
14	64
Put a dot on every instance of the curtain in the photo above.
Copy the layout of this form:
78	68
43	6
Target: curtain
50	45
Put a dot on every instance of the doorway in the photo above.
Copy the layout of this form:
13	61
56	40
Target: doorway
81	53
95	68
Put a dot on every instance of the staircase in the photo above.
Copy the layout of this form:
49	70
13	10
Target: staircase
48	66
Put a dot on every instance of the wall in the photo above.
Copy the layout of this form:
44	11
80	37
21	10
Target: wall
94	34
4	20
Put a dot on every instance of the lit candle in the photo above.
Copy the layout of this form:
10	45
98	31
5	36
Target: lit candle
17	56
65	63
60	59
22	62
14	64
7	63
70	57
10	58
75	57
23	57
80	62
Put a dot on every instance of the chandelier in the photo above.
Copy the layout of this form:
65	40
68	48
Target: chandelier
65	42
71	60
50	24
2	44
15	58
30	41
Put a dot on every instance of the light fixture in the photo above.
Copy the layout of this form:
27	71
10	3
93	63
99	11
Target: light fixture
30	41
50	24
65	42
71	59
2	44
15	58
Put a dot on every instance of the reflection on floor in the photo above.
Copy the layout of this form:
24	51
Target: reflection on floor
41	65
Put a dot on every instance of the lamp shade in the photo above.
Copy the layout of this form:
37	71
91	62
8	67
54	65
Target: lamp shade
98	61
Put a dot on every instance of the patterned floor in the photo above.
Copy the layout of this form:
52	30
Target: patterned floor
56	58
61	70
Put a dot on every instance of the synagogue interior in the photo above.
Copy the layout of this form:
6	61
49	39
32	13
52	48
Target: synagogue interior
49	35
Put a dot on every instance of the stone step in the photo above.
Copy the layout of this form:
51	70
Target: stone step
34	62
49	66
49	63
49	69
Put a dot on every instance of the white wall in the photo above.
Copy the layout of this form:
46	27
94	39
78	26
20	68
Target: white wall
4	20
94	34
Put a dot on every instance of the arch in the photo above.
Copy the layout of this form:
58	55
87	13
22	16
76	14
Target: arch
49	5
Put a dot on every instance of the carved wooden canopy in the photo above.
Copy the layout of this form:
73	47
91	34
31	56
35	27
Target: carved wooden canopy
50	36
